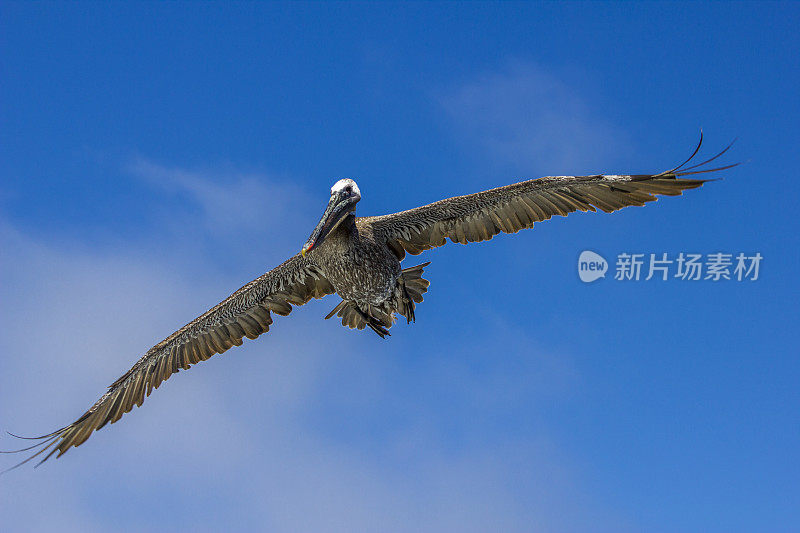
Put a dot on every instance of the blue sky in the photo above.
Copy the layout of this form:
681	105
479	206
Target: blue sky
155	157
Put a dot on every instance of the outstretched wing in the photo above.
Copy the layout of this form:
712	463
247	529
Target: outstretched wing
245	313
480	216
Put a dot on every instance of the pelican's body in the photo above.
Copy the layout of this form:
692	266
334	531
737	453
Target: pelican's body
366	273
359	259
361	269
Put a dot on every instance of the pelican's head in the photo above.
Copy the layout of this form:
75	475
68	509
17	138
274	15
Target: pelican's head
344	197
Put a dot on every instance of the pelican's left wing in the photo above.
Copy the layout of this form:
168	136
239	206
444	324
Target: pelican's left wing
480	216
245	313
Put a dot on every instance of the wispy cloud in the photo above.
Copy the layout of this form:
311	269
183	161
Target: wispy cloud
528	118
239	205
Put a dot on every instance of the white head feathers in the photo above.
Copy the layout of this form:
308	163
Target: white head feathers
346	185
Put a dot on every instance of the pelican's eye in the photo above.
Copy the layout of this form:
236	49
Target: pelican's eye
348	189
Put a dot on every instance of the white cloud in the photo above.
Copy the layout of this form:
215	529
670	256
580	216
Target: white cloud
528	118
236	442
229	209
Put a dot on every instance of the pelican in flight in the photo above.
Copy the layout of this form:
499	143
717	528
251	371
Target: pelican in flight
358	258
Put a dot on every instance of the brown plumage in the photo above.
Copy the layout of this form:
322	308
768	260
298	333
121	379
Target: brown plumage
359	259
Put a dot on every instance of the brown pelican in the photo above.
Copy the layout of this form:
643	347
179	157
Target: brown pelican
359	259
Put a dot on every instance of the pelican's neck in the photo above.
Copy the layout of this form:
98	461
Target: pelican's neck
343	236
348	226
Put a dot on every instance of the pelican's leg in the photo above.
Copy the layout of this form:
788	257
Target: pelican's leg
374	324
409	306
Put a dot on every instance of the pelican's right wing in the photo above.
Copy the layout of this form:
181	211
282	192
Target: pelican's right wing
245	313
480	216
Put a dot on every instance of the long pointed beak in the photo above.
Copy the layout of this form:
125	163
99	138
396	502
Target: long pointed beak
338	208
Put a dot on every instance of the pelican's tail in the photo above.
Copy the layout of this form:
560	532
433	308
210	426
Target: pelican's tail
410	288
408	292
